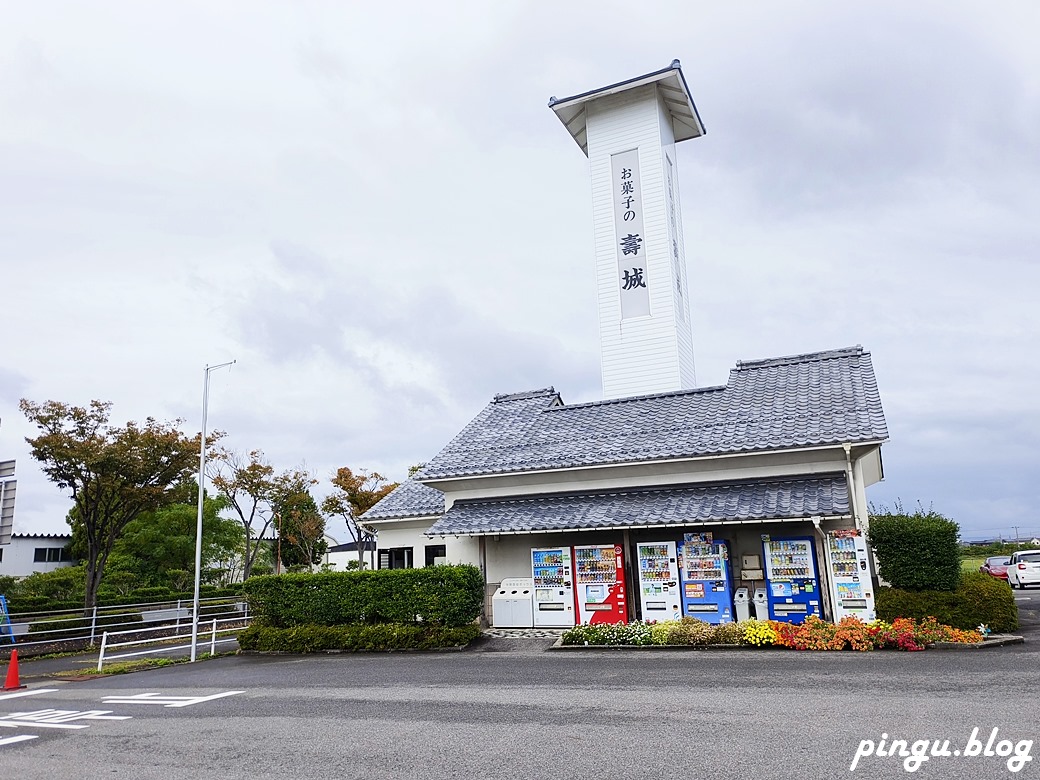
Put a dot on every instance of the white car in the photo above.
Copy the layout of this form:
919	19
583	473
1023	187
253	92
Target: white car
1024	569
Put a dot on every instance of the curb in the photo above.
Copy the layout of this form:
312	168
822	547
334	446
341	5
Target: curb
995	640
992	641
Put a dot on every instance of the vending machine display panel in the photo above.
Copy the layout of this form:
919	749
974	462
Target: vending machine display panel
792	588
707	592
849	570
553	586
659	594
599	584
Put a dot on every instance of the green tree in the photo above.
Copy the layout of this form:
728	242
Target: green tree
159	545
352	496
114	473
301	531
254	492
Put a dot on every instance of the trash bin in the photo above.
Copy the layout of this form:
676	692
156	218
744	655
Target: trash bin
761	604
513	603
740	604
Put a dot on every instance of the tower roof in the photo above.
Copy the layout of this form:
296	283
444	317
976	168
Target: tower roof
686	122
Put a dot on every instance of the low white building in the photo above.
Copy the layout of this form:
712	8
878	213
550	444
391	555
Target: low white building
30	553
786	448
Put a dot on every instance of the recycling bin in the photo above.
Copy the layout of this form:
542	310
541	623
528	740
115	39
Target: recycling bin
740	604
512	606
761	604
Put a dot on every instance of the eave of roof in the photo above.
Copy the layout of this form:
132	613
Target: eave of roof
765	500
686	121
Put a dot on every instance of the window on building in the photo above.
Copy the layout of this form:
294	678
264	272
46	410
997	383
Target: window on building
395	558
1	553
51	555
434	551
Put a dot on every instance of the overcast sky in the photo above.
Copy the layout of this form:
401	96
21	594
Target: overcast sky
372	209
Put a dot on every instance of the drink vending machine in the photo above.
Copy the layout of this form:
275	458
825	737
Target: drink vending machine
599	584
707	593
553	586
659	593
849	570
792	587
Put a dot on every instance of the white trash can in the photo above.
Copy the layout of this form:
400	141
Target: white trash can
740	604
512	606
761	604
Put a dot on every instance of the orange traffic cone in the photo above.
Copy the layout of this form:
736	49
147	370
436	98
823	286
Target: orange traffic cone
11	684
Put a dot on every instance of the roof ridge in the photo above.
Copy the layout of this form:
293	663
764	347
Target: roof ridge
805	357
628	398
544	392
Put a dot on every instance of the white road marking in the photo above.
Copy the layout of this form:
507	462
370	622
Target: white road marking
18	738
33	692
166	701
57	719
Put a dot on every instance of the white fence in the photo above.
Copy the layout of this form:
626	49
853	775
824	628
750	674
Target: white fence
72	629
227	629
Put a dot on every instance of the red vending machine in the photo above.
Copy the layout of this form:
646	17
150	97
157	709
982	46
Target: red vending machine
599	584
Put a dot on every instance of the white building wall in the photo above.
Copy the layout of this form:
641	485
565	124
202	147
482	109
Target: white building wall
412	534
18	556
640	355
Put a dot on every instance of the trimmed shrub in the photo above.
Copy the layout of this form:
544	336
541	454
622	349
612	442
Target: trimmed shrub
916	551
443	595
356	638
689	631
727	634
980	599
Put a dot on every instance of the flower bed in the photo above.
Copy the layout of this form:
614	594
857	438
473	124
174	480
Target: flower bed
812	634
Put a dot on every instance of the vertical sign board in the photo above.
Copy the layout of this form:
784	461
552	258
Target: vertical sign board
628	229
6	510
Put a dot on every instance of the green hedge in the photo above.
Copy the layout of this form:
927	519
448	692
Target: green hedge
979	599
379	638
916	551
443	595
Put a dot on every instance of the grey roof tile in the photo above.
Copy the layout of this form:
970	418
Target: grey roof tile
409	499
779	403
781	499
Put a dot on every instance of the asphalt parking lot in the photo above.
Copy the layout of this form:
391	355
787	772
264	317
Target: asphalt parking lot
508	709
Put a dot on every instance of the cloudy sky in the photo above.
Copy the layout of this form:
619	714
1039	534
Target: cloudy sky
372	209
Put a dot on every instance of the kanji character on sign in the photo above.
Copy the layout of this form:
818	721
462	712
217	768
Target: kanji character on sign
634	279
630	244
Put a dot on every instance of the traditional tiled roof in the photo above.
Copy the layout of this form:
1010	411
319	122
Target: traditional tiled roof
818	398
781	499
409	499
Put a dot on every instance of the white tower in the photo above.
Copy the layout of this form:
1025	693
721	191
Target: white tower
629	131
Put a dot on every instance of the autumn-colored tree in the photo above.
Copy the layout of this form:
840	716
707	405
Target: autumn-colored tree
352	496
254	492
114	473
301	531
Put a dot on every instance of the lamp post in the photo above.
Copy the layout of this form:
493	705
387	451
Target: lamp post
202	493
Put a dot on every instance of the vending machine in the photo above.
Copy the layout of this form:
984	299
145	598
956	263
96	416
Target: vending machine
847	564
553	586
599	584
659	595
704	575
791	584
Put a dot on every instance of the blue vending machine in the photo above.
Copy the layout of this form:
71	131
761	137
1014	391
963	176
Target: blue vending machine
792	586
704	577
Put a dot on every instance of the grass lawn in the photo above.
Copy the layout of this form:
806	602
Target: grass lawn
972	564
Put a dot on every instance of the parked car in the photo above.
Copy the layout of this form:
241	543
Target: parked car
996	566
1024	569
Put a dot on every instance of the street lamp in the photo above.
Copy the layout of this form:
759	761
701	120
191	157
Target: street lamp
202	492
